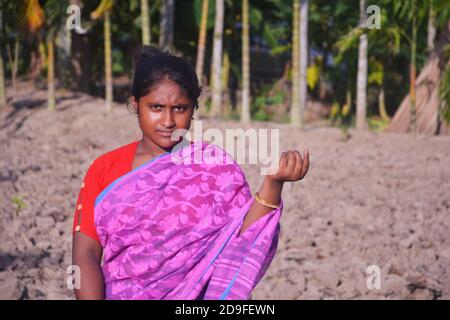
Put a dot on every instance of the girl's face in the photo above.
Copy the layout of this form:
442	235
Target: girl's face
164	109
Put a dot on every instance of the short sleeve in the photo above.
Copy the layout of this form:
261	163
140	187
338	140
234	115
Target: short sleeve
84	210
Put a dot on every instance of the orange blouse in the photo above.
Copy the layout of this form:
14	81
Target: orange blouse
101	173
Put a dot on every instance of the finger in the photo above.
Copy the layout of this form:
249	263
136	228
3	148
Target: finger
298	164
305	163
291	161
283	161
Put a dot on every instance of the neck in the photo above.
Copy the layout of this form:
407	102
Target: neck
148	146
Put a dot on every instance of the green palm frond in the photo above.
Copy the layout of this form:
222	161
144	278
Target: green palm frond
255	17
376	72
348	42
442	9
408	10
55	13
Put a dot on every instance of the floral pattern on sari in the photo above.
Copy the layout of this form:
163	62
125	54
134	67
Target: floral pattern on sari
170	230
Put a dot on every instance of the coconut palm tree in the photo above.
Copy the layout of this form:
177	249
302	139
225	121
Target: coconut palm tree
295	105
414	12
376	76
383	45
245	109
361	79
104	10
225	80
13	59
51	99
55	11
166	24
50	18
2	83
303	58
202	41
217	60
2	71
12	16
431	28
145	23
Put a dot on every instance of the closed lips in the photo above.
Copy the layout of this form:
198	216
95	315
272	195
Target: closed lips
165	133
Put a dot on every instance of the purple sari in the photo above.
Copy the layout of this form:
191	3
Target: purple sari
169	229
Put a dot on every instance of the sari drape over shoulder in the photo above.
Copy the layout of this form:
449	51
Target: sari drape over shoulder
170	229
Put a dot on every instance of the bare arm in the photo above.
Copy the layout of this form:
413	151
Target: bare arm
292	167
87	255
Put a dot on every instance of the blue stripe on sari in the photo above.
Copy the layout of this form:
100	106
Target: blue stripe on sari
228	289
245	208
105	191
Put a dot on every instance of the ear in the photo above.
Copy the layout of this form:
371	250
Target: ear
134	103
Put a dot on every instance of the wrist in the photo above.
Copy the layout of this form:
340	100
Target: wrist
270	190
273	182
273	186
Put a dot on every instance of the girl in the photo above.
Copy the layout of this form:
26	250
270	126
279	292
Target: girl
149	227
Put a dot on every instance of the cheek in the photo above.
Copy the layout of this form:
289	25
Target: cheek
184	121
148	118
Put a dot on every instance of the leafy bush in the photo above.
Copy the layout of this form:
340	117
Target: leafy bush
265	99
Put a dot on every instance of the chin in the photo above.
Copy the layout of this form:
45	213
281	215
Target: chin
166	143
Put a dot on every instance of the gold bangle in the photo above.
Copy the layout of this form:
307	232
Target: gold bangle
264	203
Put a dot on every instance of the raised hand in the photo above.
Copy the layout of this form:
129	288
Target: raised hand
292	166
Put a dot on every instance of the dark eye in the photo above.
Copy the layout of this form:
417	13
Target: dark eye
180	108
156	106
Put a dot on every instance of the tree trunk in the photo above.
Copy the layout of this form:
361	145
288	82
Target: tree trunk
108	62
245	107
13	62
412	74
2	71
166	25
382	105
202	42
295	101
303	58
226	107
80	54
217	60
63	43
431	30
51	104
361	82
2	83
145	23
42	54
348	98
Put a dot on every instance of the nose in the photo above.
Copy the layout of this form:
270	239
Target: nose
167	118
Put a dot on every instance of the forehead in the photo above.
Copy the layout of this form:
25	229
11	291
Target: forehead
167	91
